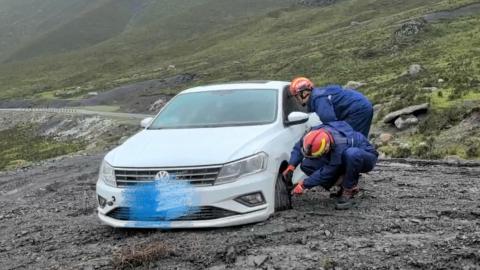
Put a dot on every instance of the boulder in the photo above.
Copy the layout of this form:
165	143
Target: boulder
354	85
157	105
414	110
441	80
409	29
404	122
414	70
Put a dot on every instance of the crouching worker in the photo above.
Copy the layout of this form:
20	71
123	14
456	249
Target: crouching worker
330	152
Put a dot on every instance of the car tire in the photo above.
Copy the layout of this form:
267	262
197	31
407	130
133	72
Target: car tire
283	199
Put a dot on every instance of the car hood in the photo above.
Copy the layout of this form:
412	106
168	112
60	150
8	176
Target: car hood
189	147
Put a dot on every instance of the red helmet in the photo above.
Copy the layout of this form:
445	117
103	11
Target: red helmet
317	143
300	84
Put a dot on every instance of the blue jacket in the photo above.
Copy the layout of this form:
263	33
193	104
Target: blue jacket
326	170
333	103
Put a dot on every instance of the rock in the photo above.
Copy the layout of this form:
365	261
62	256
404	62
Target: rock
415	110
354	84
431	89
377	107
404	146
423	144
453	159
170	67
409	29
304	240
328	233
260	260
404	122
414	70
414	220
92	94
441	80
157	105
256	260
384	138
230	255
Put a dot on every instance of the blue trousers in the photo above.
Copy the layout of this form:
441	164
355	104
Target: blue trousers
356	161
309	167
361	120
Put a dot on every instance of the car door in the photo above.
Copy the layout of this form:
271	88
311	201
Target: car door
291	105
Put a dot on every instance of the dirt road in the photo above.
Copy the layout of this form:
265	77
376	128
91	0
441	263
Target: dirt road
410	217
79	111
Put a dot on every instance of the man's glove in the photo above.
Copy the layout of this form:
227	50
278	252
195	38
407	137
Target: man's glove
299	188
288	173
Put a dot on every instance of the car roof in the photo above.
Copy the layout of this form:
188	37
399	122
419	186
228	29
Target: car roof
239	86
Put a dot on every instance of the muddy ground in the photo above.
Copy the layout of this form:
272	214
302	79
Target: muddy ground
410	216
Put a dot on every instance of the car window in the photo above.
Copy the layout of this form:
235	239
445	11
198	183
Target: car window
218	109
290	104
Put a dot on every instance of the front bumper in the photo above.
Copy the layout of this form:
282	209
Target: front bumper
219	196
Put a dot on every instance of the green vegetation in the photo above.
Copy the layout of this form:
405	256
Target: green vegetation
361	40
20	145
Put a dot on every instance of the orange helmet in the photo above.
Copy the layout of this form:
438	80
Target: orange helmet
300	84
317	143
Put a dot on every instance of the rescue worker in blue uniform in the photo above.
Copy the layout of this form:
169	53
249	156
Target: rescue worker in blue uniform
333	103
330	152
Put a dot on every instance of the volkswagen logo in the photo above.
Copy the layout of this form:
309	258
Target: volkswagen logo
162	175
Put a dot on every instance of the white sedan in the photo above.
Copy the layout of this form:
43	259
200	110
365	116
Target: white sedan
212	157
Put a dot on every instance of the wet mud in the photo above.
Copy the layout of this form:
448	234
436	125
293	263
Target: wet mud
410	215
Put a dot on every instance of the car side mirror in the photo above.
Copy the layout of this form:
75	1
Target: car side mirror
146	122
296	118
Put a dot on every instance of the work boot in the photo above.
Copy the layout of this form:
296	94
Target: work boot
346	201
337	194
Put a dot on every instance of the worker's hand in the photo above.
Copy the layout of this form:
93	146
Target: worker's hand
288	173
299	188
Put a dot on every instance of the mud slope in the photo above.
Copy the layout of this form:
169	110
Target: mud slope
411	217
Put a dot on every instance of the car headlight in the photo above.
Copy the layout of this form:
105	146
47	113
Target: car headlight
107	174
249	165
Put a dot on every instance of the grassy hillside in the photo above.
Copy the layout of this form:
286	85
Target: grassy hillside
102	21
19	145
23	21
34	28
363	40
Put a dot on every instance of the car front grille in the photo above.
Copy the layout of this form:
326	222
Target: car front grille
196	213
199	176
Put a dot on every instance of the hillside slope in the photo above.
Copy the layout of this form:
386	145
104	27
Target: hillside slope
24	21
34	28
373	41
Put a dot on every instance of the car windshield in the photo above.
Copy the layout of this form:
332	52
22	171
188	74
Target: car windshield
219	109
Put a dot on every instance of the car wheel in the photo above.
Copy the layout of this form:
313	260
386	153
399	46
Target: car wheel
282	196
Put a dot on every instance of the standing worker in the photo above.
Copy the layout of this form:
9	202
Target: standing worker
333	103
329	152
